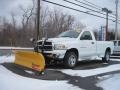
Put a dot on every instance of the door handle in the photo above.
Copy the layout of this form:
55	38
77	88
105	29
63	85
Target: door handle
92	42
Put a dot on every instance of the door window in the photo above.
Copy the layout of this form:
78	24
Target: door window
86	36
118	43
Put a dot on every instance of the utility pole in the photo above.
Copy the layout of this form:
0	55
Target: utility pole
107	12
116	21
38	19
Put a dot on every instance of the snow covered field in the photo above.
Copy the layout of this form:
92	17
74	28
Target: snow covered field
4	59
92	72
15	48
12	81
111	83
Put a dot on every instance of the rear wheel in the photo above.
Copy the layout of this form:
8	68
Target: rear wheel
70	60
106	58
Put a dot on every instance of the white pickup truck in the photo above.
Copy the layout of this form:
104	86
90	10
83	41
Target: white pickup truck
73	46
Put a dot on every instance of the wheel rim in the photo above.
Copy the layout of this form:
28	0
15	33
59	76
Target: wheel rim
107	56
72	60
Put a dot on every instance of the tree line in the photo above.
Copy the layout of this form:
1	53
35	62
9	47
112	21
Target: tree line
16	32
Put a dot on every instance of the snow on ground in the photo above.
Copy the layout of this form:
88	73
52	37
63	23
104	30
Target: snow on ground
82	73
111	83
15	48
91	72
11	81
4	59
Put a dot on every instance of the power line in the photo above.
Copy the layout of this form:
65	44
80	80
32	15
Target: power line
88	5
86	8
99	7
92	4
113	15
76	10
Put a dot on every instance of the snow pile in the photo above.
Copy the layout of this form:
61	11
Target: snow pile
4	59
91	72
11	81
112	83
104	77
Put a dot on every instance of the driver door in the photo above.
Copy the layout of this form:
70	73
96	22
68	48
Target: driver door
87	45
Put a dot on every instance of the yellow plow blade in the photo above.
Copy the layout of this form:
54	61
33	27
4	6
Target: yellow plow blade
30	59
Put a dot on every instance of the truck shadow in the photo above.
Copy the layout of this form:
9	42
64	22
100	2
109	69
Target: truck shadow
83	65
94	64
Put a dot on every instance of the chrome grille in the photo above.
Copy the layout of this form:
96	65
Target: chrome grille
47	46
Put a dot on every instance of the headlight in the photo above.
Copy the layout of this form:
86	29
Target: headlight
59	46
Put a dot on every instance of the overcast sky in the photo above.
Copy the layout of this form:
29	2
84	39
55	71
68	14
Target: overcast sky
8	6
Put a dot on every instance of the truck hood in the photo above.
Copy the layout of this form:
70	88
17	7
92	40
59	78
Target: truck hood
62	40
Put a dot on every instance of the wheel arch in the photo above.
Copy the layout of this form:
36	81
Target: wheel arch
108	49
73	50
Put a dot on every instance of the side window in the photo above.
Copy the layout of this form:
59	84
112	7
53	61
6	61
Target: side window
118	43
86	36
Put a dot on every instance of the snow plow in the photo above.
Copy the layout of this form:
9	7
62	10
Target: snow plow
30	59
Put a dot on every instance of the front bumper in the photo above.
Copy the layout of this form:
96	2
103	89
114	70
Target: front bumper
55	54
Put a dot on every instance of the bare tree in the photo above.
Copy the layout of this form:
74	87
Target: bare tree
52	23
27	14
78	25
13	29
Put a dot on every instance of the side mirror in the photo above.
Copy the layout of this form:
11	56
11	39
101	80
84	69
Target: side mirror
32	40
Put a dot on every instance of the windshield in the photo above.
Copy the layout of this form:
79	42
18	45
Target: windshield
70	33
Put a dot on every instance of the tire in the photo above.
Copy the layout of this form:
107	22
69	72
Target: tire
106	58
70	60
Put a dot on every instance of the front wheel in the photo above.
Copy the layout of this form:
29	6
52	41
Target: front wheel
106	58
70	60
